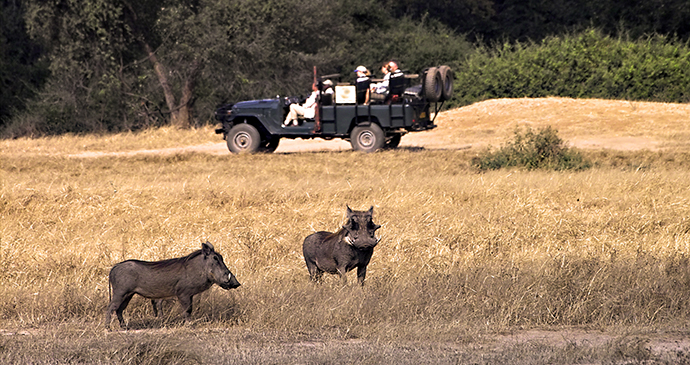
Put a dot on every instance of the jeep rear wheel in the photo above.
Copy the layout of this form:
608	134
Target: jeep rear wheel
367	138
243	138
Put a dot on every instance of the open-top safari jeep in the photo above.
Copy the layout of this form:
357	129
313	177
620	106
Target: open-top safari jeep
257	125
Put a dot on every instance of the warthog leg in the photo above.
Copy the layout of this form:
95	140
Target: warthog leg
118	304
314	272
343	275
186	304
361	274
157	306
123	306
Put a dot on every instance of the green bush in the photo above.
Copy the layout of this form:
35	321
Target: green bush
586	65
541	150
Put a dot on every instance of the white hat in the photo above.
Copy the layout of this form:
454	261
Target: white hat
361	69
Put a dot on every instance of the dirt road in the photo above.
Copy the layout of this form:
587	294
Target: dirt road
589	124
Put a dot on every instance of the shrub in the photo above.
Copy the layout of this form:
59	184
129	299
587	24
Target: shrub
586	65
541	150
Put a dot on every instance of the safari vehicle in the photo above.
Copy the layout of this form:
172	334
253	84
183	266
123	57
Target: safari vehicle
257	125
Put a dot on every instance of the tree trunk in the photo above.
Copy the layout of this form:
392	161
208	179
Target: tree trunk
180	114
163	79
184	110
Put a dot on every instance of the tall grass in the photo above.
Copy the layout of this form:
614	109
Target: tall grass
503	248
460	252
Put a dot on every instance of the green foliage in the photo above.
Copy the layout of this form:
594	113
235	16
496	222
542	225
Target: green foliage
83	66
224	51
21	72
530	150
586	65
261	51
512	20
85	47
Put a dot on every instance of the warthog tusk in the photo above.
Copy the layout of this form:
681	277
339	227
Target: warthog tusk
229	276
348	240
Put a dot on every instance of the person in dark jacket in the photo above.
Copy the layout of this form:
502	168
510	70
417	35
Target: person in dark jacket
362	85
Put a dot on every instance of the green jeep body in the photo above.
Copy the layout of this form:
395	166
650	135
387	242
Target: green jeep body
257	125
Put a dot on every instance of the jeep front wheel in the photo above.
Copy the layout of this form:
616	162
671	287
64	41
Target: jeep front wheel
243	138
367	138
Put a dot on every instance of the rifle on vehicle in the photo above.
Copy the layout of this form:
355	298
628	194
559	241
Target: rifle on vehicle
317	114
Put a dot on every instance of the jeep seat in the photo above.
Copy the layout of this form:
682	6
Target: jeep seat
396	88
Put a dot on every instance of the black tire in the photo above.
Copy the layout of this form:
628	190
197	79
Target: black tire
243	138
447	81
367	138
393	141
433	85
270	145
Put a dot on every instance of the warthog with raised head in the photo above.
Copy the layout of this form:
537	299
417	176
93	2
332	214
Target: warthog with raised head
340	252
181	277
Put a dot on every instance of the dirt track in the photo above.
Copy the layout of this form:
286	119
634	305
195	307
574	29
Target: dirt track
590	124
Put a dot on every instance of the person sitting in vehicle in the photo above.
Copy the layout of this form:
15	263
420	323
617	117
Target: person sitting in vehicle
380	90
306	110
394	70
381	87
328	95
362	85
396	82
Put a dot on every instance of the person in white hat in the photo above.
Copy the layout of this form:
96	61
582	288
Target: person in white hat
328	95
362	85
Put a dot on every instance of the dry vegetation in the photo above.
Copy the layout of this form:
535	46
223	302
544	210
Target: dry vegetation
467	263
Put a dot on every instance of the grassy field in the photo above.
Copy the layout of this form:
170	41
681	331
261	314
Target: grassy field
597	263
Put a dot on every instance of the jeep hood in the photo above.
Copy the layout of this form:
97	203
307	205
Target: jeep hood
256	104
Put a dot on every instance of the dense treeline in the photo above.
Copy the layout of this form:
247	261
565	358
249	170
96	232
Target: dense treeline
523	20
111	65
588	64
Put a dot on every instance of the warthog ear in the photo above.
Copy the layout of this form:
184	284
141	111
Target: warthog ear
371	210
206	248
349	211
376	226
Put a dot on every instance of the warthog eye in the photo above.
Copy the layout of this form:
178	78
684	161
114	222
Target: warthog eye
353	225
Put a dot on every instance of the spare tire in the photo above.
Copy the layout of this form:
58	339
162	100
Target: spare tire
447	80
433	85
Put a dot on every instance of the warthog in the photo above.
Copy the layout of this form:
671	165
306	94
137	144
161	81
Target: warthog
181	277
340	252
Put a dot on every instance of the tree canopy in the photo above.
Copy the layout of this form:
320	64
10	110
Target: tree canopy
111	65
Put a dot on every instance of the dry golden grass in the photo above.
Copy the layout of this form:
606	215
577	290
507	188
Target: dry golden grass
65	145
464	256
586	123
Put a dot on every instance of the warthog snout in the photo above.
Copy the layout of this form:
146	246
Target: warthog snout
230	282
